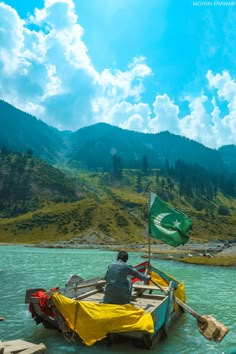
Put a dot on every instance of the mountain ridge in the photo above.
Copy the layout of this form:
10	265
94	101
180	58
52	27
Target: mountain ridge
95	146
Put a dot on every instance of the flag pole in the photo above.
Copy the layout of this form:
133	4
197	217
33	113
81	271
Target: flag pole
149	236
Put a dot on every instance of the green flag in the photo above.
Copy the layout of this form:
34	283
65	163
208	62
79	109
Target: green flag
167	224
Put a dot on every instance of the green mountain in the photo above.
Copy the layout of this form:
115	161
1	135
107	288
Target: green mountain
228	156
27	184
20	131
99	195
96	146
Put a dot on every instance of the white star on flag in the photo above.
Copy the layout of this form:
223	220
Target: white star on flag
176	224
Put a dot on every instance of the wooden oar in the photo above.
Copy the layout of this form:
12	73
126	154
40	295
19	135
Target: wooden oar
208	326
166	292
98	283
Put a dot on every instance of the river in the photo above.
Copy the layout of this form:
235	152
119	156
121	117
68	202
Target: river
210	290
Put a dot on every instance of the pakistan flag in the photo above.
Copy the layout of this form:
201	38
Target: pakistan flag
167	224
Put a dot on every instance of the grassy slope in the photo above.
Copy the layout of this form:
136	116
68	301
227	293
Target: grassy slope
111	215
219	260
81	219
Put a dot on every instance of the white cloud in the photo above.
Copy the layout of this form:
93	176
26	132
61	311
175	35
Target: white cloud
46	70
224	128
226	87
197	125
119	85
134	122
166	115
130	116
54	73
115	88
56	15
11	39
126	115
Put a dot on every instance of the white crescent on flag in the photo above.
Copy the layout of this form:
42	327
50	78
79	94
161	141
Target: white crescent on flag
157	223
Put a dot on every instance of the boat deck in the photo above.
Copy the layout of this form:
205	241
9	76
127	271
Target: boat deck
147	302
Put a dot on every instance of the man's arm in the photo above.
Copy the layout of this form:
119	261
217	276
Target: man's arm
133	271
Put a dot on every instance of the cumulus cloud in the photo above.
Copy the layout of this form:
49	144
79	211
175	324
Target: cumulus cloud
205	124
11	38
57	15
129	116
197	124
166	115
115	88
225	88
51	72
46	70
119	84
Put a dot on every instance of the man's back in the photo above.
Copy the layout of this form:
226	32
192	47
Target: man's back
117	274
119	287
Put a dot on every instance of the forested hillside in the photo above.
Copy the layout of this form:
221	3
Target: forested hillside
96	146
38	203
20	131
228	156
27	183
99	191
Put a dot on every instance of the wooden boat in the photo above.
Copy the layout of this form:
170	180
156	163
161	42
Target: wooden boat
78	309
156	300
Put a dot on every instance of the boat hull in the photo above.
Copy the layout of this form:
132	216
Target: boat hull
150	298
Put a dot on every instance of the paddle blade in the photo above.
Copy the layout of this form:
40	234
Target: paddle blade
212	329
29	293
74	280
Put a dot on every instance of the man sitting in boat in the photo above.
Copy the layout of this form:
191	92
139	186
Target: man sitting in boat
118	288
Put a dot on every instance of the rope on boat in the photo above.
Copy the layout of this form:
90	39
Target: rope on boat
62	324
76	315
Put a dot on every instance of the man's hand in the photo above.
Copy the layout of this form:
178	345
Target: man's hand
148	278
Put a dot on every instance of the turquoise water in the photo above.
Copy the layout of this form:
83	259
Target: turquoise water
210	290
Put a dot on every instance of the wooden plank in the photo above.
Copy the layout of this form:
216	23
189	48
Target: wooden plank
97	297
98	283
36	348
2	318
151	297
146	287
89	293
21	346
17	345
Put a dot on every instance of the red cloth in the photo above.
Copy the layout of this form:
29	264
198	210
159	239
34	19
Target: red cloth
43	303
141	267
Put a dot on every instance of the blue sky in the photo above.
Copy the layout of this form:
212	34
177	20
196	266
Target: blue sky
144	65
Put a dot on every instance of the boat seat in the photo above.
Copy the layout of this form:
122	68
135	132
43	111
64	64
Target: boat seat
146	287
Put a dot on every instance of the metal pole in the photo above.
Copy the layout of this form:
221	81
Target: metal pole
149	236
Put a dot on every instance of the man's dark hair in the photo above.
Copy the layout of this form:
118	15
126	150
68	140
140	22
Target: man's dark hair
123	256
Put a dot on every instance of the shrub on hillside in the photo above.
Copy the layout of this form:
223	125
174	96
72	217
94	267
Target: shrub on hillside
223	210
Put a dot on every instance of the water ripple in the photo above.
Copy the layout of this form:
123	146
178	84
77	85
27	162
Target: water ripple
210	290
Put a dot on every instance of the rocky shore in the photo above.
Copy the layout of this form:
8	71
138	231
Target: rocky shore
190	247
220	253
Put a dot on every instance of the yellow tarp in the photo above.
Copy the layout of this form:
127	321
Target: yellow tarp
158	279
92	322
179	292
